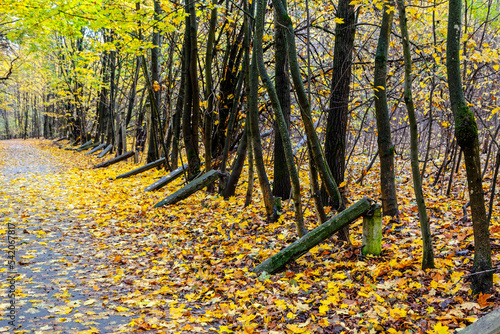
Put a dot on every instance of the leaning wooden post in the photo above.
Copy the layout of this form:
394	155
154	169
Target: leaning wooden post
192	187
372	231
301	246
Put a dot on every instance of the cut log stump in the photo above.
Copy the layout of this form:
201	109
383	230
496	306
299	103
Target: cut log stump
95	149
173	175
105	151
141	169
192	187
372	231
115	160
300	247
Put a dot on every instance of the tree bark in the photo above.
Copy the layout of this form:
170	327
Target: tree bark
428	253
281	183
338	111
385	145
305	107
280	119
466	134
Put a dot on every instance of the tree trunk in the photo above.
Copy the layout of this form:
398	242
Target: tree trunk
338	111
385	145
466	134
190	116
305	107
428	253
281	183
280	119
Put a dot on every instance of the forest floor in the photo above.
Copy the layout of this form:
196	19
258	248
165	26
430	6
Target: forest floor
94	256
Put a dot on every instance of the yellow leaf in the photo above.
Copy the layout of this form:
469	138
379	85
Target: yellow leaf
122	309
440	329
496	67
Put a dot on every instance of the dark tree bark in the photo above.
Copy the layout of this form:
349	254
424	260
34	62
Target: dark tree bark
466	134
385	145
428	253
281	184
156	131
338	111
209	93
190	116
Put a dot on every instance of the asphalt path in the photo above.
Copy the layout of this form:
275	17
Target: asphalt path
52	255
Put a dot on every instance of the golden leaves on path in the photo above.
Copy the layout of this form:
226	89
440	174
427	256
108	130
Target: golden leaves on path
186	268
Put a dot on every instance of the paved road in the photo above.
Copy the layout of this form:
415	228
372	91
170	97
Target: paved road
52	255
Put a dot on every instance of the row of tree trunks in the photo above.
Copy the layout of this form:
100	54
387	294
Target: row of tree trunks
197	184
115	160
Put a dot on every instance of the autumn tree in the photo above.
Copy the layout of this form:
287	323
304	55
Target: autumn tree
466	133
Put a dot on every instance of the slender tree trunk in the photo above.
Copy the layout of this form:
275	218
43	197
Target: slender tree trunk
278	113
466	134
190	116
209	93
281	184
428	253
253	119
385	145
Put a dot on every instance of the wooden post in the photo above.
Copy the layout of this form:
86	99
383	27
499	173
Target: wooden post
372	231
300	247
166	179
106	150
192	187
142	168
115	160
95	149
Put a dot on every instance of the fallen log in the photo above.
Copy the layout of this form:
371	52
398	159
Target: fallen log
115	160
58	140
173	175
300	247
95	149
105	151
192	187
142	168
489	324
92	145
82	147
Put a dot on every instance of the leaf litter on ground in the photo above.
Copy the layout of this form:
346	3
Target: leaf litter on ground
186	268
